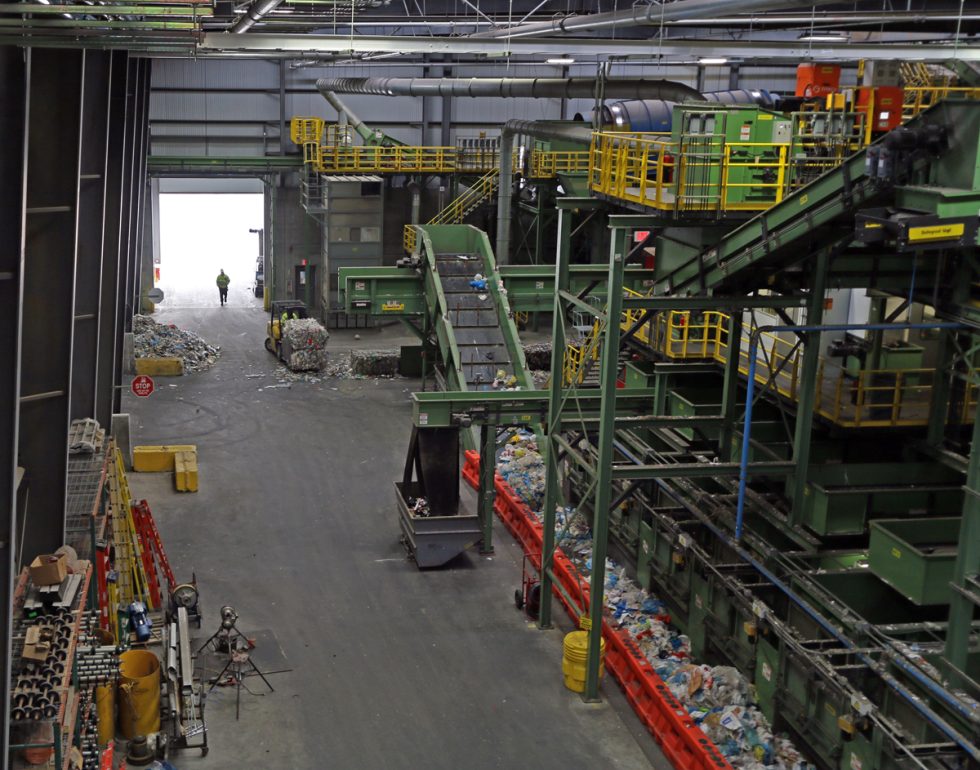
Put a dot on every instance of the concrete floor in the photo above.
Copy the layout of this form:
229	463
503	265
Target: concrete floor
295	527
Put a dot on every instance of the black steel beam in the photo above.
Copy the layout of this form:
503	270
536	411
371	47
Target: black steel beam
123	310
13	79
107	376
91	215
55	94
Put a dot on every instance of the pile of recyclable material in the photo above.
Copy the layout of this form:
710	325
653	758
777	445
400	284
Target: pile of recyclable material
286	376
155	340
718	698
519	464
307	344
538	355
419	506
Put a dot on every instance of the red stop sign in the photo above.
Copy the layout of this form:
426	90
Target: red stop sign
142	385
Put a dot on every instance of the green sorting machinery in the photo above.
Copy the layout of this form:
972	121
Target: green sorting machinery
825	541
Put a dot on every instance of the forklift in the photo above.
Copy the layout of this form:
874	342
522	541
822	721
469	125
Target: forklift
290	308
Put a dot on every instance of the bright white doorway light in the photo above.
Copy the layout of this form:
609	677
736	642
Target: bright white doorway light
203	233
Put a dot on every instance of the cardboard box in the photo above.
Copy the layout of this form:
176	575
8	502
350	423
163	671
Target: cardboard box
49	570
37	644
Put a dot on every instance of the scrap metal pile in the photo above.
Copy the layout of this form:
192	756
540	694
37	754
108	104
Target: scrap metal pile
156	340
718	698
306	343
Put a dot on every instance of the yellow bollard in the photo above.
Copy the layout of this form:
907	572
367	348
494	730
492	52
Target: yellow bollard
575	651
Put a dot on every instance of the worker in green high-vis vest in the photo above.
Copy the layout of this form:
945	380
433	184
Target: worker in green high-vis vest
223	281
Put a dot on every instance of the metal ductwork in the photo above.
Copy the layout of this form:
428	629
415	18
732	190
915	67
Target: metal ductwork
552	88
356	123
648	14
505	188
254	13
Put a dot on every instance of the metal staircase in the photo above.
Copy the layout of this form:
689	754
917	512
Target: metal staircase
460	207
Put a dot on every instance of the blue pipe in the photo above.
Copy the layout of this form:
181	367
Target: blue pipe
743	472
837	634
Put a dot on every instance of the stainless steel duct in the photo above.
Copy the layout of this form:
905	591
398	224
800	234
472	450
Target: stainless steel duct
649	14
505	188
254	13
555	88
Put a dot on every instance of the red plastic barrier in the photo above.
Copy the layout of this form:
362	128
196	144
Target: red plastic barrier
682	741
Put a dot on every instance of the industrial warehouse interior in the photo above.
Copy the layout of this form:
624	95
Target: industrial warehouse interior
396	384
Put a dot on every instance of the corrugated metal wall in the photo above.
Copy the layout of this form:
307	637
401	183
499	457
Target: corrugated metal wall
231	107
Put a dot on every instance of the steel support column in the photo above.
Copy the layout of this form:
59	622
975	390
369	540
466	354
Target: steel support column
55	101
604	459
941	388
961	607
107	375
139	192
13	93
808	388
485	492
91	220
562	258
123	310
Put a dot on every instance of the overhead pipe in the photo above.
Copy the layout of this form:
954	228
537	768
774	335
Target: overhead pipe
254	13
505	187
649	14
554	88
366	133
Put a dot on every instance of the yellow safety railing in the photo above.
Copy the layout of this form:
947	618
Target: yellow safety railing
459	207
632	316
822	141
688	175
303	130
392	160
684	334
546	164
337	134
872	398
918	98
578	358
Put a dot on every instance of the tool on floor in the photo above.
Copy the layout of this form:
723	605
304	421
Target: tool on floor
226	638
528	596
239	665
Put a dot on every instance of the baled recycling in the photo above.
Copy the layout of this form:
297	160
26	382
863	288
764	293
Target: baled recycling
306	341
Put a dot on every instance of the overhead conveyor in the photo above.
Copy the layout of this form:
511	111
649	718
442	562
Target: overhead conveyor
900	168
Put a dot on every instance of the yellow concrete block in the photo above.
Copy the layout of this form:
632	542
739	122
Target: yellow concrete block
158	459
160	367
185	471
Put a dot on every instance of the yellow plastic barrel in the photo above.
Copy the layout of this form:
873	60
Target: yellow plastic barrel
105	708
575	651
139	693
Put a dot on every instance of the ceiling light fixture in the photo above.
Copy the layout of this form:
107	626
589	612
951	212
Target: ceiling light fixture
561	60
713	61
814	37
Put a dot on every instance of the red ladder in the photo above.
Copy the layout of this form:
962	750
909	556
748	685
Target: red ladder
153	546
